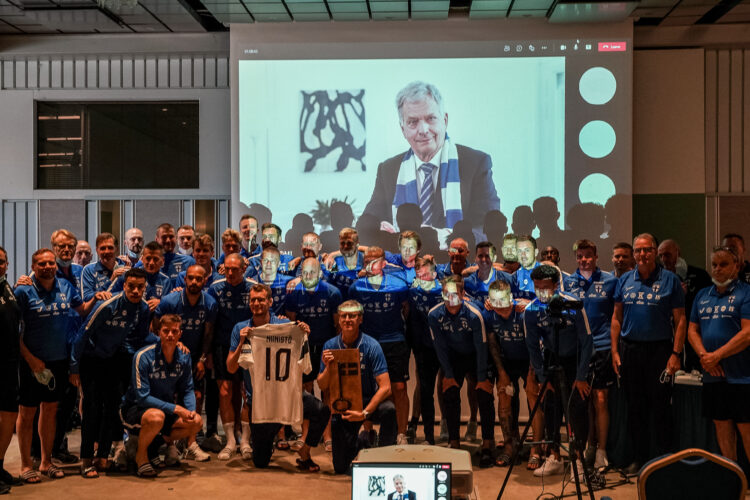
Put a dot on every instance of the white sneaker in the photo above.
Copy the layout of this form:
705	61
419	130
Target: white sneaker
172	456
246	451
601	459
550	467
471	432
226	453
195	453
401	439
579	466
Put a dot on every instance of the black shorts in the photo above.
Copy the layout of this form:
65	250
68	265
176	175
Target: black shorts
397	357
31	392
725	401
9	385
601	373
131	416
220	354
516	369
316	352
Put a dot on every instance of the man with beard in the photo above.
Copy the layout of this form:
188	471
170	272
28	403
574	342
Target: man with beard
134	244
345	267
458	252
203	251
510	254
173	262
158	284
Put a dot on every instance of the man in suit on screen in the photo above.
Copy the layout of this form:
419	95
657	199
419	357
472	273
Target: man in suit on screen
448	181
401	492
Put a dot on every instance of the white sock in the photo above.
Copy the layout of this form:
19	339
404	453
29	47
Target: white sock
245	439
229	431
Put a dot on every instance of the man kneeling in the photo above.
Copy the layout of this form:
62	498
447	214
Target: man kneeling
161	374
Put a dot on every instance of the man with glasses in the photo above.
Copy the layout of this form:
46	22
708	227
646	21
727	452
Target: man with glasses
648	335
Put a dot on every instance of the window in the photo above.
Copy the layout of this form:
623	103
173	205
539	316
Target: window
121	145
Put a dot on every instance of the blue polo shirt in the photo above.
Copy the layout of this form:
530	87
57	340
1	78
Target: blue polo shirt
75	274
341	276
574	339
382	318
647	304
405	273
113	325
233	307
509	333
158	285
597	295
523	285
316	308
175	263
461	333
478	290
371	362
235	343
95	278
278	291
420	303
46	316
194	318
719	318
155	383
444	270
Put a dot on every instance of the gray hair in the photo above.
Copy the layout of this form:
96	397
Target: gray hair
399	476
415	92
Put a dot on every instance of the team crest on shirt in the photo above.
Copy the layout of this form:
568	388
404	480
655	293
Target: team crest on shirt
464	323
655	287
124	313
201	315
387	297
159	289
178	266
730	299
598	288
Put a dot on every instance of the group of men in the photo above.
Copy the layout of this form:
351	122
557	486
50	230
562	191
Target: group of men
152	336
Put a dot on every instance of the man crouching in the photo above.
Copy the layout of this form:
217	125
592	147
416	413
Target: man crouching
162	373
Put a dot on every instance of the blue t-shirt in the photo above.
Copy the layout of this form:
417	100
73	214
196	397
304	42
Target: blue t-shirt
175	263
114	325
444	270
574	338
194	318
382	317
158	285
509	333
341	276
647	304
597	295
522	284
462	333
420	302
75	274
233	303
47	319
316	308
719	317
278	291
235	343
405	273
371	362
155	383
478	290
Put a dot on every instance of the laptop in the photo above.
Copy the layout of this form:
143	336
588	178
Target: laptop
401	481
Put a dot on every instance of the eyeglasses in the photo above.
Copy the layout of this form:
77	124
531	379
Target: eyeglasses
644	250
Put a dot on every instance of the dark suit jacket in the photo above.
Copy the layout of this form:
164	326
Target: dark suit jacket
394	495
478	195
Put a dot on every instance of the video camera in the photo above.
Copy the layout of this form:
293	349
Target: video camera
558	304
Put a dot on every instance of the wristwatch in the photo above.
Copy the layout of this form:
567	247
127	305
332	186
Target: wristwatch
677	353
366	414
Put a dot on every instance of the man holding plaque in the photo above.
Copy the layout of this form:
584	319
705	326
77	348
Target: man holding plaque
376	387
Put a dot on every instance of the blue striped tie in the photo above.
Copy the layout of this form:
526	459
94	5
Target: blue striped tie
425	195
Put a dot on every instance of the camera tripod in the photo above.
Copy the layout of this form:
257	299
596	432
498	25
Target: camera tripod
556	377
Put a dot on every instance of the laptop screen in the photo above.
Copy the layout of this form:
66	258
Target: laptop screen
401	481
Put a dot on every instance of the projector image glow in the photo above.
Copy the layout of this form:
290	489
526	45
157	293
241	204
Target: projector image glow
462	482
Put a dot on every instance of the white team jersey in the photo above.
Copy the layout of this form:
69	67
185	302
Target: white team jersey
279	357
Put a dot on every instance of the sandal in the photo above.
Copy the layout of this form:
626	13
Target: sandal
89	472
53	472
31	477
535	461
297	445
146	470
307	465
503	460
282	444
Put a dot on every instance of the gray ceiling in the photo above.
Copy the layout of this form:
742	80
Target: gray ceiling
149	16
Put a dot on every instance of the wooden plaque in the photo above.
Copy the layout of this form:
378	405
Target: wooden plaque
346	381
